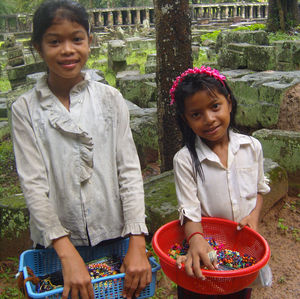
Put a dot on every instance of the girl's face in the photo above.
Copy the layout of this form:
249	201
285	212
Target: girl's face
65	47
208	115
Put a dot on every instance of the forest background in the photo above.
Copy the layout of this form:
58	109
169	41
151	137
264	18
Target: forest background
29	6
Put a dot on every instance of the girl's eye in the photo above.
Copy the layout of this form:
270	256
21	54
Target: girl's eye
53	42
78	39
196	114
216	106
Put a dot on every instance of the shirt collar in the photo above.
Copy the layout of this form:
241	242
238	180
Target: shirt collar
47	96
235	141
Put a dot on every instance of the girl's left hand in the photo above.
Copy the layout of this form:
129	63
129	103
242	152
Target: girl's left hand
138	271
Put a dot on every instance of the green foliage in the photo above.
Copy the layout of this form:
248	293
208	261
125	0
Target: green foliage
9	181
253	27
4	84
281	226
11	292
211	35
279	35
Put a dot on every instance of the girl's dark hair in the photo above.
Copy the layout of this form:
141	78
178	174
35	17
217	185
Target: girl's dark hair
190	85
51	10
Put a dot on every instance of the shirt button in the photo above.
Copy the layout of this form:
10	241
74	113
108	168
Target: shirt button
234	201
80	101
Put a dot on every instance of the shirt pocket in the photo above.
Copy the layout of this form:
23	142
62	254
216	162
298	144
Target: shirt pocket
247	178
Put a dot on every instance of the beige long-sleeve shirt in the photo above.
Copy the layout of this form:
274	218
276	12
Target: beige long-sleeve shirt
226	192
79	169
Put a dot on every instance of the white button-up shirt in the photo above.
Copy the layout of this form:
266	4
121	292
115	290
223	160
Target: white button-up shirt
79	169
226	192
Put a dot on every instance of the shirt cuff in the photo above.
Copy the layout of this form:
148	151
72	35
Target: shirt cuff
54	233
192	212
136	228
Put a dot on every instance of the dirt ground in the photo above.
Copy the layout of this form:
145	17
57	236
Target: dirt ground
283	237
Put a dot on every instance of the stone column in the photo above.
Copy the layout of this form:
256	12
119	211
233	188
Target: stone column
251	12
243	12
218	12
17	23
226	12
6	25
201	12
119	18
100	18
109	18
258	11
148	14
138	17
234	8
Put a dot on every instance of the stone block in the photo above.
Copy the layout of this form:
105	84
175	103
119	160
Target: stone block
283	147
130	86
124	74
95	51
161	201
148	94
288	51
17	75
265	99
133	67
144	127
116	55
150	67
3	109
287	67
258	37
11	54
195	52
4	130
262	58
16	61
151	57
233	56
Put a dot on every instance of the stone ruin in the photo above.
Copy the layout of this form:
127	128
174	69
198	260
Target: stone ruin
268	107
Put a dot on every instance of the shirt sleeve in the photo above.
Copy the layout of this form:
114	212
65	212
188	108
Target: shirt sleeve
262	186
129	175
32	174
186	187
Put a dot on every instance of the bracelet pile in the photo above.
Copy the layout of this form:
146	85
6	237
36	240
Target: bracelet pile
231	259
103	267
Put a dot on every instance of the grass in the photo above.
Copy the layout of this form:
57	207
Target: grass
4	84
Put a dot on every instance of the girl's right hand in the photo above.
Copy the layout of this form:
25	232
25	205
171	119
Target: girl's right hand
198	251
76	277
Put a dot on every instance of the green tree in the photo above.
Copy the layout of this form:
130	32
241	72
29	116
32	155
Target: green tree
6	7
283	15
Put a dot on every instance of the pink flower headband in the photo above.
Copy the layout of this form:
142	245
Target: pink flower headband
195	70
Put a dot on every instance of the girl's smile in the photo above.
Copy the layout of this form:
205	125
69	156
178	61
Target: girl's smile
208	115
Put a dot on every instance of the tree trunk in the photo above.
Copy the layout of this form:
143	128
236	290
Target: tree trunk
283	15
174	56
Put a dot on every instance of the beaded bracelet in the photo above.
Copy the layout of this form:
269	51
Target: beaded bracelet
195	233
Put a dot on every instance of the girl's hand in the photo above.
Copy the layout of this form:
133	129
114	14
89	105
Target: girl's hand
253	218
138	272
250	221
77	280
198	251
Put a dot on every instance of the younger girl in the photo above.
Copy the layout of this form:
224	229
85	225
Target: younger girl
218	173
76	158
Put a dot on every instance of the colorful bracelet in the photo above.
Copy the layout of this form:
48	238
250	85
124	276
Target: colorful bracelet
195	233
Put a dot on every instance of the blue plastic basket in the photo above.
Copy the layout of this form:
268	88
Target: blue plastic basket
44	261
